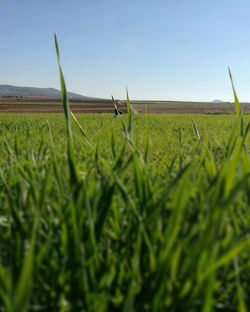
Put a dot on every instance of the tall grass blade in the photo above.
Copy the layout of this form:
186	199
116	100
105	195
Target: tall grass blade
236	100
65	101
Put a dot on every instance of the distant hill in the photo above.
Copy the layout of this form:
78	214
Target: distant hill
216	101
14	91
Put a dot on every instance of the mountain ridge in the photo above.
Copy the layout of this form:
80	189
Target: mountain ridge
217	101
7	90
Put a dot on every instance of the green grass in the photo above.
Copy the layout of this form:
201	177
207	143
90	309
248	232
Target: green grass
138	213
156	220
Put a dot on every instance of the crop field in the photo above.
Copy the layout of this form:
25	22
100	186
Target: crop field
144	212
45	105
149	213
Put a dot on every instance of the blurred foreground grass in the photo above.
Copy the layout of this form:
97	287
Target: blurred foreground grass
158	218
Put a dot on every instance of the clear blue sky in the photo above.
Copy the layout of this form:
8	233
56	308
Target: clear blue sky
160	49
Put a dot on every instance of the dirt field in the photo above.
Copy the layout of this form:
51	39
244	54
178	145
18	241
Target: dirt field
14	105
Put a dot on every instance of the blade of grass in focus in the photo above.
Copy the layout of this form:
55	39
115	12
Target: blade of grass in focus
65	102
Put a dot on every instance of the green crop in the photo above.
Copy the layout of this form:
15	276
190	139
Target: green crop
139	213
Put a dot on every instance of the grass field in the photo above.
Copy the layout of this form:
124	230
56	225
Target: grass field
148	217
140	213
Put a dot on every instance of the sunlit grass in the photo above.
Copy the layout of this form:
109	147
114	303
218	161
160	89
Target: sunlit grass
138	213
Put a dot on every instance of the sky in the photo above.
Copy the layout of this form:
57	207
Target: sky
159	49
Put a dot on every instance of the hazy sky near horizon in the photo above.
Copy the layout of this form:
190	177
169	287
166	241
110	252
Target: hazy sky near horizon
160	49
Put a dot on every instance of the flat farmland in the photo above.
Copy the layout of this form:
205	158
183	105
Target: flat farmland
16	105
53	106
